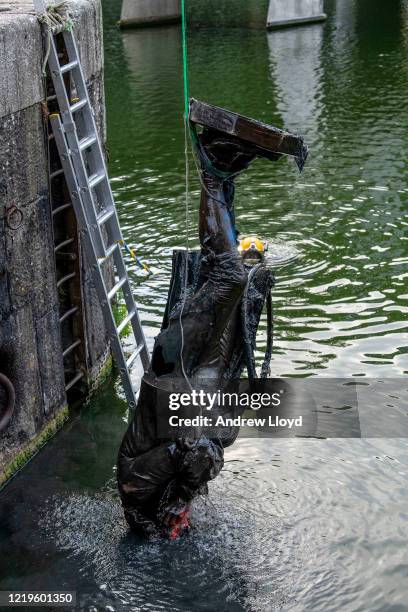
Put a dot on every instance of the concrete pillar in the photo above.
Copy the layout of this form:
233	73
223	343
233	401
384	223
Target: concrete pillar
283	13
139	13
30	331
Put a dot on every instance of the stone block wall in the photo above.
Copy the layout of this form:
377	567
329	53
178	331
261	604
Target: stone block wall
30	340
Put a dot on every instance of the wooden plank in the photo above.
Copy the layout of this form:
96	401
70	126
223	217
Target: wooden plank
260	134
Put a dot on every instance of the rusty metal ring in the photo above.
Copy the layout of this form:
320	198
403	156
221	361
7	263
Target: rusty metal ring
10	401
10	212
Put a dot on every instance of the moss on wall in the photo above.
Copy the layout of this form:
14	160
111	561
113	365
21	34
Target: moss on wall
26	453
103	375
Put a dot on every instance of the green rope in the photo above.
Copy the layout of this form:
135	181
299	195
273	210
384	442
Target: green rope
185	60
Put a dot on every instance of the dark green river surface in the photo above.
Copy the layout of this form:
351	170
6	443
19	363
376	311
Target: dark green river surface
289	524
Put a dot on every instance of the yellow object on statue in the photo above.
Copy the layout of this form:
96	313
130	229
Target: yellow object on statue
251	243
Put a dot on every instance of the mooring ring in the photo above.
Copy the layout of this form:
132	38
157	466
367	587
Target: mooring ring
10	401
10	212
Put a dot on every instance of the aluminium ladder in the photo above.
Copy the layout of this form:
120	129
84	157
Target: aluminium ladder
87	180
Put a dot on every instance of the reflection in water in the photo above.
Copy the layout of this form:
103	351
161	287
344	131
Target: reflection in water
344	24
344	214
295	57
292	524
289	523
234	13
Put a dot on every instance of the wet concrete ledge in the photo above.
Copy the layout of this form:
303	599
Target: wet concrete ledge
149	23
285	23
286	13
30	338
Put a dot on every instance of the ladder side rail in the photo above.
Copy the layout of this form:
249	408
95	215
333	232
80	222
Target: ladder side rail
70	130
94	156
97	160
100	286
82	91
128	293
131	306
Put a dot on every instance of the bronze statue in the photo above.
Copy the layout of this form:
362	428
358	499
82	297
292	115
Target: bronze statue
214	305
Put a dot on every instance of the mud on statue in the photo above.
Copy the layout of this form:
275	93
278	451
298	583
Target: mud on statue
214	305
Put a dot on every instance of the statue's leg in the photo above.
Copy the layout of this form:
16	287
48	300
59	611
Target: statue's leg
199	320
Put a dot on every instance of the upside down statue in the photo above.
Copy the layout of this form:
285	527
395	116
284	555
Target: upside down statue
215	301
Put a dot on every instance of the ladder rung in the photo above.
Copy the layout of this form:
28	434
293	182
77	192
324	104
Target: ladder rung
65	279
95	179
51	98
70	66
61	208
84	143
63	244
116	287
103	218
71	348
134	355
69	313
56	173
73	381
126	320
109	252
78	105
81	178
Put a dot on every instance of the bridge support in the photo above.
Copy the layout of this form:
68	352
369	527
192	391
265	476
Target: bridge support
142	13
284	13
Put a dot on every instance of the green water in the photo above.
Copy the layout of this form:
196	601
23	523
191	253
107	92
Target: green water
231	13
339	229
295	524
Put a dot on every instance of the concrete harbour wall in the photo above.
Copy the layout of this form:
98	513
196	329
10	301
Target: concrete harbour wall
149	12
222	13
31	343
292	12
